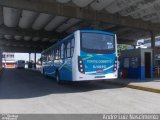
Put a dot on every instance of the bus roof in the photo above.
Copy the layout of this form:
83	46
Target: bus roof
91	31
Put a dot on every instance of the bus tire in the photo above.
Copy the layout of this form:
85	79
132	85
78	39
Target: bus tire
44	74
58	77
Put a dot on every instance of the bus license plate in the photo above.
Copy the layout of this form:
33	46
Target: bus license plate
100	77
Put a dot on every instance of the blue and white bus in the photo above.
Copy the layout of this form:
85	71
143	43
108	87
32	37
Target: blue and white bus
83	55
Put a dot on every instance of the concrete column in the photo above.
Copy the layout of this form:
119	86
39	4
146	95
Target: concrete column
35	60
1	58
153	47
153	51
41	59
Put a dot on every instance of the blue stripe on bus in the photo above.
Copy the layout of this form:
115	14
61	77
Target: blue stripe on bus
97	31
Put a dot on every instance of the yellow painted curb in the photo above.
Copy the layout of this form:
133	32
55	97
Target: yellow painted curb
143	88
155	90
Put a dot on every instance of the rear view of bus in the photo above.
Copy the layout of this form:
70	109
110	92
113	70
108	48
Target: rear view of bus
83	55
20	64
95	56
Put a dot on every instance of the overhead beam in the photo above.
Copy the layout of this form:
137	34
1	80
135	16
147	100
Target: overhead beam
134	34
20	49
46	6
25	43
119	29
93	25
32	33
1	15
125	41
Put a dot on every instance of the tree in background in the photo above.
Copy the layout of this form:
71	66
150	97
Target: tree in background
121	47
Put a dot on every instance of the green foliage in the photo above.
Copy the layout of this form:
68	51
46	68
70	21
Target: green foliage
121	47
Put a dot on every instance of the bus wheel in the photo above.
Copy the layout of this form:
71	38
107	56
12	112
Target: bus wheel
44	73
58	78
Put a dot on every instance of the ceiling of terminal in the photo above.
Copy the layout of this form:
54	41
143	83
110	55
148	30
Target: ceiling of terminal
26	27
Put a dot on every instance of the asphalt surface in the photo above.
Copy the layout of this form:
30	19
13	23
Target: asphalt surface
27	91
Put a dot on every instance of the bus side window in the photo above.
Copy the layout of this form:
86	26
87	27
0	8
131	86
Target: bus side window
59	52
69	49
52	54
56	53
62	51
44	58
58	49
49	56
65	50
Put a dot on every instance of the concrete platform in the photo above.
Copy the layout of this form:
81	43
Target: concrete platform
151	85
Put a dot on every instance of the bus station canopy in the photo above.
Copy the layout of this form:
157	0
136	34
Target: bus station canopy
33	25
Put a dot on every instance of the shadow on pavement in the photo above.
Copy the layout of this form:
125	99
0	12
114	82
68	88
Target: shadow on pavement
21	83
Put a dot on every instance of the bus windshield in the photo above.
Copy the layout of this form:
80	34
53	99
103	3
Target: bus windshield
21	61
97	43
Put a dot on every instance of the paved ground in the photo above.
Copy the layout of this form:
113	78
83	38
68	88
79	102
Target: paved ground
26	91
